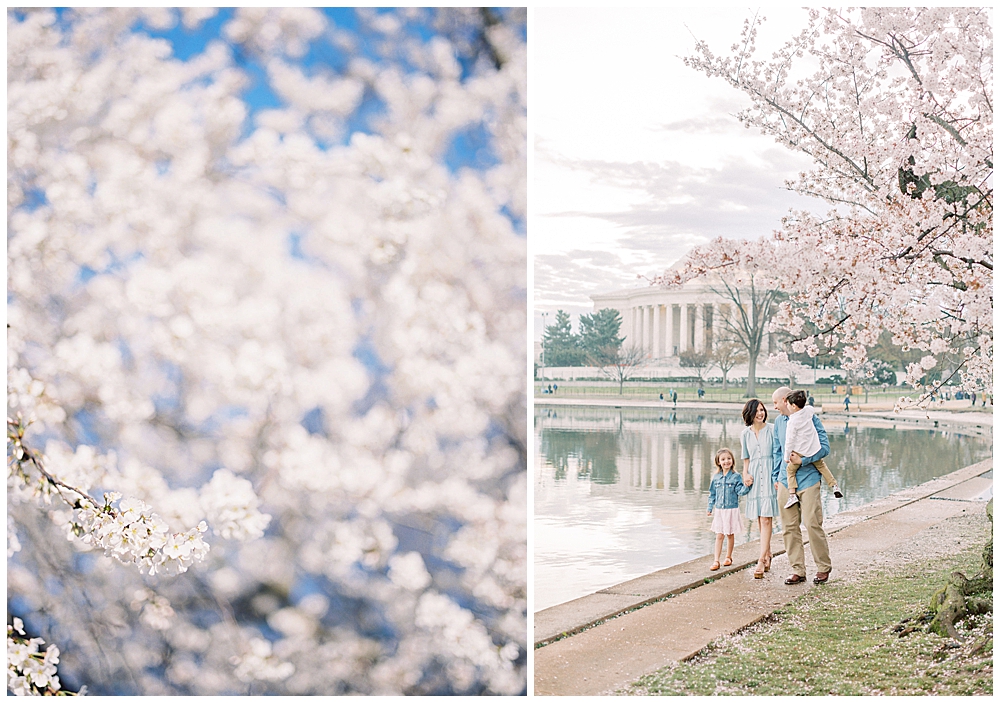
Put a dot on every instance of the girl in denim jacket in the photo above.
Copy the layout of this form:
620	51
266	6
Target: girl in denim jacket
724	501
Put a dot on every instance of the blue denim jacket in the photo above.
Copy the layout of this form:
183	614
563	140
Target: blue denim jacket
807	475
725	490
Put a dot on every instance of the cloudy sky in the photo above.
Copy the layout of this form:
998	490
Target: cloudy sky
638	158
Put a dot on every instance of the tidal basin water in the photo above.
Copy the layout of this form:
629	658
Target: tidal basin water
623	492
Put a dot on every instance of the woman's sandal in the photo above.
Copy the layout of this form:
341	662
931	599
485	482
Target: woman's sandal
767	563
759	571
727	562
714	566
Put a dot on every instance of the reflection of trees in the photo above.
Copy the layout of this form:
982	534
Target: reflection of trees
871	462
596	453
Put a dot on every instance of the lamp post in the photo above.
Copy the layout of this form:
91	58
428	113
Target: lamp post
542	355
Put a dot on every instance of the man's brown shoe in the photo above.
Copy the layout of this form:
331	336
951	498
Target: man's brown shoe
822	577
794	579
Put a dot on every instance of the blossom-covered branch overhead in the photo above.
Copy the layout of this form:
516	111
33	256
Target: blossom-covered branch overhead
894	105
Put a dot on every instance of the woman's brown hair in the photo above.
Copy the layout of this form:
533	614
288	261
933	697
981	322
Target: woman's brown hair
750	411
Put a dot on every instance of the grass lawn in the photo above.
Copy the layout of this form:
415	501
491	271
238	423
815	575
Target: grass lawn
840	640
688	392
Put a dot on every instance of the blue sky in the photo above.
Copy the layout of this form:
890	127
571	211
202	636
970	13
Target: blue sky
470	148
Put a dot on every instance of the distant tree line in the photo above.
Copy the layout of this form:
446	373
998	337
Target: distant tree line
596	343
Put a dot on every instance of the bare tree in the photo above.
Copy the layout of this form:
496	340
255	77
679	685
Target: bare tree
620	363
755	306
697	360
728	353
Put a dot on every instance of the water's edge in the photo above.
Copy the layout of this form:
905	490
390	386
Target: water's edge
565	619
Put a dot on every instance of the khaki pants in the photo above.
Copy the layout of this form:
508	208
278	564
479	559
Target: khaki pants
809	510
792	467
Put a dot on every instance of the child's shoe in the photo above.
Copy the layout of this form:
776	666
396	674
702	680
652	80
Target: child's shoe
836	491
792	500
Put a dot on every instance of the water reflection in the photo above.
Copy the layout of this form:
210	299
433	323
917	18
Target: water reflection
620	493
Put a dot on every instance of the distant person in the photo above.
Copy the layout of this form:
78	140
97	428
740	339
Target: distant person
802	439
809	509
724	505
757	443
661	399
675	398
973	399
811	401
701	392
847	403
555	387
550	388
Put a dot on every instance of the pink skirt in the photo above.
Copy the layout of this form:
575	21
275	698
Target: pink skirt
726	521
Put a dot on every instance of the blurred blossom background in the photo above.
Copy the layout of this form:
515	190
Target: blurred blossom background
267	282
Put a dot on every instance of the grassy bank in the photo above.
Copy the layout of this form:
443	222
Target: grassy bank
688	392
843	639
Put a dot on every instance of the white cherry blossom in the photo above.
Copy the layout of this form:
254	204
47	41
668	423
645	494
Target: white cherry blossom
288	344
895	107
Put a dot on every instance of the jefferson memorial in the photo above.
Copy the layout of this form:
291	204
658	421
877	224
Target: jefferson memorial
667	322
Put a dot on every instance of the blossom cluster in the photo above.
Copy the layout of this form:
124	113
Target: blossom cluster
231	506
259	664
133	534
29	671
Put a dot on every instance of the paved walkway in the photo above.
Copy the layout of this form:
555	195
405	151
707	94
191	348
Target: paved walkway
589	651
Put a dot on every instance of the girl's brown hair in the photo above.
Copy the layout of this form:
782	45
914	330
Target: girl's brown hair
750	411
725	450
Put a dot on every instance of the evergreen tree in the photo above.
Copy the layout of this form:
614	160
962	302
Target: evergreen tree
599	334
559	345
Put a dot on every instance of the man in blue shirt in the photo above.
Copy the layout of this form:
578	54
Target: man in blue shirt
809	509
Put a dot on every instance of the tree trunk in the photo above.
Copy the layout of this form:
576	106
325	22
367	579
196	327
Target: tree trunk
751	377
962	596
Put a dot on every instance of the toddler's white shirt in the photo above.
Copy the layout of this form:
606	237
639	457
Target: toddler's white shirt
800	434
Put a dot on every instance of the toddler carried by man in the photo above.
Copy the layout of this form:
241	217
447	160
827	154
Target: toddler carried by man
802	440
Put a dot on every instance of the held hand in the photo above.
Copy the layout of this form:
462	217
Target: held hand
709	512
747	480
795	457
776	484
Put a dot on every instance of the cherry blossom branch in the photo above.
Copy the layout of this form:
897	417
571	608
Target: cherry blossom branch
31	672
130	533
15	435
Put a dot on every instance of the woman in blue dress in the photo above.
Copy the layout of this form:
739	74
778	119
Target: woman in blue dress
762	500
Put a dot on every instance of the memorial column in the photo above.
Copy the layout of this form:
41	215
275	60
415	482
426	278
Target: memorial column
669	336
685	339
699	327
657	344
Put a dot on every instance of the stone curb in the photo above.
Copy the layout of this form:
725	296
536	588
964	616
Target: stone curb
567	619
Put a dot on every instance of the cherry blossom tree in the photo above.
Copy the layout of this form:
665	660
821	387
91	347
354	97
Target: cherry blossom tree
266	365
895	106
